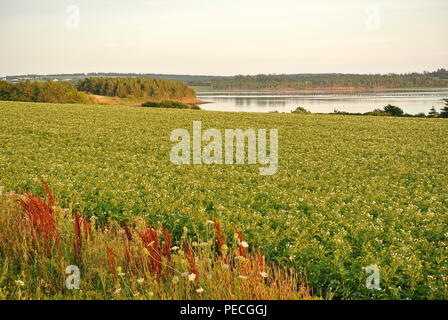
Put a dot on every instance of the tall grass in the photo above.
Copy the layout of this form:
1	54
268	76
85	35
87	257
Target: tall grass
38	240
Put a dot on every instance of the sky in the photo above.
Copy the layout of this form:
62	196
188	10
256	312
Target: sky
222	37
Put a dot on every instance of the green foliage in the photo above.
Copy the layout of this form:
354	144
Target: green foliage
378	113
393	110
433	113
301	110
440	73
444	110
170	105
350	192
136	87
418	115
36	91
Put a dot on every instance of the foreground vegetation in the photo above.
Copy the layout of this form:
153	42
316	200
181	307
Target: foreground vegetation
350	191
43	248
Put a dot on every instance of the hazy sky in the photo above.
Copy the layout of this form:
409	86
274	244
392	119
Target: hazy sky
222	36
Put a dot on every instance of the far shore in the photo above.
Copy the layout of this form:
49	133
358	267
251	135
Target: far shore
203	90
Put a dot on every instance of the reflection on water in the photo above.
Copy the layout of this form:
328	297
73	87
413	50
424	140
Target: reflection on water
411	101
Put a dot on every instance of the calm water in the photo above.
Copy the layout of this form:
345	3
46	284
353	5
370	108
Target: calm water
411	101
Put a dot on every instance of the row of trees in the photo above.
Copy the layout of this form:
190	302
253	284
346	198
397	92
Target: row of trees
37	91
394	111
258	82
440	73
136	87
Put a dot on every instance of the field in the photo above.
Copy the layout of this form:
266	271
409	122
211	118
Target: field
350	192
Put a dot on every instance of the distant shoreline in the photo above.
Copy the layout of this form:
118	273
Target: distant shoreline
203	90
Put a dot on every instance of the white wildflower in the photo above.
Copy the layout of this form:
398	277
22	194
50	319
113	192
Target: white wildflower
192	277
20	283
244	244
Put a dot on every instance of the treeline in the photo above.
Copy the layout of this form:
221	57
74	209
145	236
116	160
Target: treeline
440	73
191	80
37	91
136	87
394	111
387	111
273	82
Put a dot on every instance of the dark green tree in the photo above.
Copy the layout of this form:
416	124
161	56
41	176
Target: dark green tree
393	110
444	110
433	113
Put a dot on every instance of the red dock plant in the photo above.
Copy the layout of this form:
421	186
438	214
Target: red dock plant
220	242
82	227
111	260
41	217
190	259
168	243
219	236
151	243
242	251
77	243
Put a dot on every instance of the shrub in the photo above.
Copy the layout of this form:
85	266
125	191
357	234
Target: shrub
300	110
151	104
419	115
378	113
393	110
